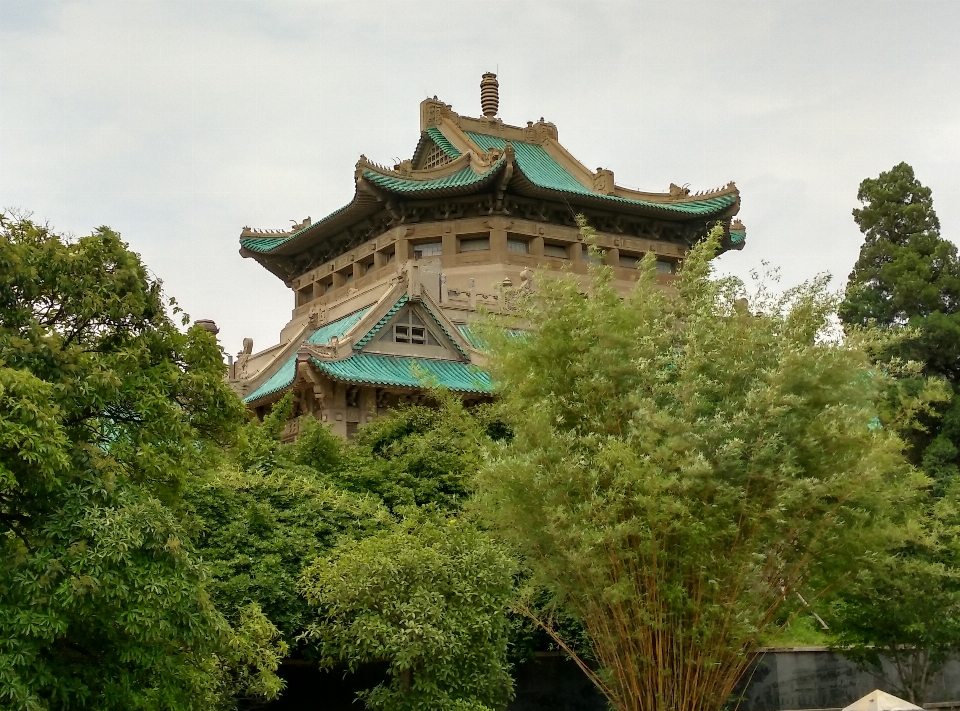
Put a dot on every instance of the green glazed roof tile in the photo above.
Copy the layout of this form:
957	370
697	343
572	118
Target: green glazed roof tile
285	375
469	335
262	244
437	137
280	380
381	323
545	172
407	372
462	178
737	237
265	244
337	328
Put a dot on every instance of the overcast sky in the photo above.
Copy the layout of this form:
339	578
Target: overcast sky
177	123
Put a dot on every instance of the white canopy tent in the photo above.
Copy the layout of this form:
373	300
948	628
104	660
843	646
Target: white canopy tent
878	700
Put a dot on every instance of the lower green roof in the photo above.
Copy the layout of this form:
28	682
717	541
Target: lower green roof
280	380
285	375
374	369
408	372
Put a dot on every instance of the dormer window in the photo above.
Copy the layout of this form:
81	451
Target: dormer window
410	329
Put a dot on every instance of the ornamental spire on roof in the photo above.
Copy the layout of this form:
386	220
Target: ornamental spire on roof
489	94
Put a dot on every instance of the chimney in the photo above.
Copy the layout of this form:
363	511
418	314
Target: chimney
489	94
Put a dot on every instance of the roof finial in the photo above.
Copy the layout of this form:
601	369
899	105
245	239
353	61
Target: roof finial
489	94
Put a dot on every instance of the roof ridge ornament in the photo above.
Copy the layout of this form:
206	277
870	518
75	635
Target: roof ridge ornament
489	94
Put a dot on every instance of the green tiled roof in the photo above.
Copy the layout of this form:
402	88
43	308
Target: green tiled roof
284	377
461	179
437	137
445	331
544	172
280	380
468	334
381	323
265	244
407	372
262	244
337	328
737	237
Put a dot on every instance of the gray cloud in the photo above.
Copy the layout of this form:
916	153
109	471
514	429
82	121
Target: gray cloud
177	123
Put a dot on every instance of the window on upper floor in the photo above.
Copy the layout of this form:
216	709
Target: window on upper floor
555	250
518	245
666	266
427	249
474	243
629	261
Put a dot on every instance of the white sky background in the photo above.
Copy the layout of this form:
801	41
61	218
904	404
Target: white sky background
179	122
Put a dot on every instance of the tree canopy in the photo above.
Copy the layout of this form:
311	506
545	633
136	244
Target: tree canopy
429	595
906	283
681	466
107	410
360	551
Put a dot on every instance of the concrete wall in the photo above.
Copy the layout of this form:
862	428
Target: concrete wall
782	680
818	679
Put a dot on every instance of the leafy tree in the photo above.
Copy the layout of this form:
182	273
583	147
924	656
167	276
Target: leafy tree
354	509
905	606
681	467
418	456
906	282
429	596
258	526
106	411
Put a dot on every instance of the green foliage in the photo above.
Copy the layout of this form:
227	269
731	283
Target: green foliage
906	605
803	630
905	269
436	585
106	411
418	456
258	527
680	467
254	645
427	595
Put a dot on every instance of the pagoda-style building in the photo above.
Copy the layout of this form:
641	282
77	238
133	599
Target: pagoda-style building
385	287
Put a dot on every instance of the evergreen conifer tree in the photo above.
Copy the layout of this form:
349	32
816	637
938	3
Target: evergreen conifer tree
908	275
907	280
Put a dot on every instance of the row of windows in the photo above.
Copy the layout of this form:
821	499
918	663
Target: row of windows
479	243
521	246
